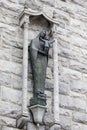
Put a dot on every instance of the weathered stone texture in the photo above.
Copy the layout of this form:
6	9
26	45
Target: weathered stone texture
8	128
72	56
73	103
9	109
79	86
80	117
71	34
14	96
7	121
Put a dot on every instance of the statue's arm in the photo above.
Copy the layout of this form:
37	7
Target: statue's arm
42	39
42	52
51	41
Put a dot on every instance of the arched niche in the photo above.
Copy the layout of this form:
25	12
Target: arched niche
33	22
37	24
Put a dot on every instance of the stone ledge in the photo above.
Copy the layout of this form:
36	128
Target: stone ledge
8	128
21	121
55	127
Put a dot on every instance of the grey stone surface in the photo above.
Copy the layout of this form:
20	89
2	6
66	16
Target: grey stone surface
10	67
9	109
65	112
66	122
80	117
73	103
78	66
48	118
5	79
79	86
55	127
7	121
71	34
34	127
14	96
79	126
8	128
63	88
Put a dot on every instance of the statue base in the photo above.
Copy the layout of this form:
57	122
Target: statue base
38	113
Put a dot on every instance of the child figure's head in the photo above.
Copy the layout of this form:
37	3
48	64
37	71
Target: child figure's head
47	38
43	34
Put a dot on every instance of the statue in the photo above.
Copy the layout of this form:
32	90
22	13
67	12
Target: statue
38	50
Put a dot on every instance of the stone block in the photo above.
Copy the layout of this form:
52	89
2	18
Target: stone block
64	61
8	19
48	118
50	62
51	3
14	96
48	93
30	85
78	126
16	60
78	66
72	74
9	128
17	52
63	88
5	54
49	84
5	79
16	82
9	109
32	126
7	121
67	53
22	121
55	127
64	17
77	95
65	122
78	86
10	67
80	2
65	112
79	42
69	74
80	117
49	103
11	6
73	103
85	77
11	37
49	73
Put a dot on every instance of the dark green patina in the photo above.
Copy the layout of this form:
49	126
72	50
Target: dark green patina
38	50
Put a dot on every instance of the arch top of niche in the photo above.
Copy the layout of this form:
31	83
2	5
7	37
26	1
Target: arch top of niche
29	12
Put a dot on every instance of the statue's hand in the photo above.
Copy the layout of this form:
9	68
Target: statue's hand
51	43
42	52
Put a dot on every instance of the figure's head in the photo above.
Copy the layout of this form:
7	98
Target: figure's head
43	34
47	37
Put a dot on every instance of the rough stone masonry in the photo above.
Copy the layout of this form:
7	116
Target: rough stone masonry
72	46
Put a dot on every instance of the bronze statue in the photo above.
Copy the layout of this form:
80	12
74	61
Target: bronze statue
39	49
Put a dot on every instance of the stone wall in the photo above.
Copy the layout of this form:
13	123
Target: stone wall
72	35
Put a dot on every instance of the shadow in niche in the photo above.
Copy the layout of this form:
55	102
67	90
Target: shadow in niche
63	0
40	22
